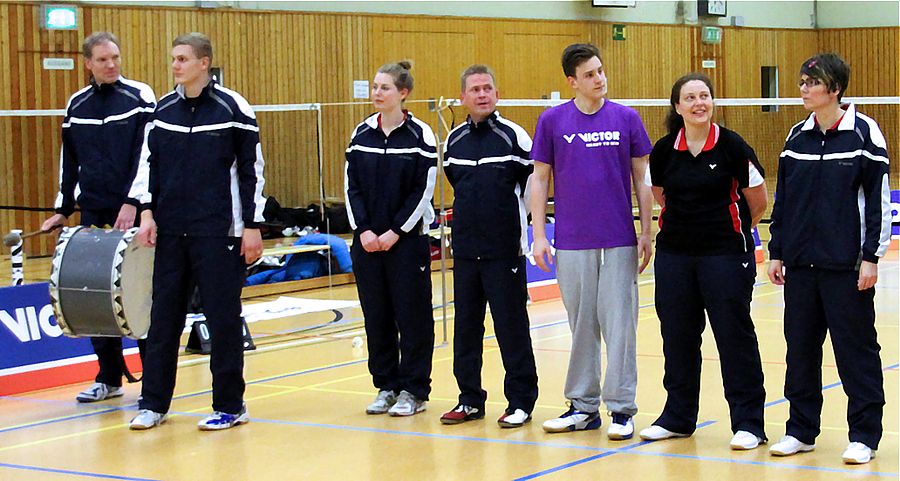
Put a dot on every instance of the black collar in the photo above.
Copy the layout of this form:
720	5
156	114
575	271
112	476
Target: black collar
98	87
179	89
488	122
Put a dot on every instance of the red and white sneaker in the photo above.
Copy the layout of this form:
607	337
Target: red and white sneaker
514	419
462	413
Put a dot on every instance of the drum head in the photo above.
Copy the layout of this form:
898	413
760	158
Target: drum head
137	288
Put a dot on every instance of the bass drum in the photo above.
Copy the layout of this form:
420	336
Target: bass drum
101	283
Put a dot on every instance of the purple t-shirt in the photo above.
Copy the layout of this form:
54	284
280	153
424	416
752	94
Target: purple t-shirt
591	160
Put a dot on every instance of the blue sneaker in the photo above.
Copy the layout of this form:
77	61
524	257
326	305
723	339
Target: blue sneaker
573	420
219	420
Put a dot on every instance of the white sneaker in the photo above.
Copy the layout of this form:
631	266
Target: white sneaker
658	433
515	419
221	420
858	453
383	401
573	420
406	405
98	392
789	446
745	440
146	419
622	427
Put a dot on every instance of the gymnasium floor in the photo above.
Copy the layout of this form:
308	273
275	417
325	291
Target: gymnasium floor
307	391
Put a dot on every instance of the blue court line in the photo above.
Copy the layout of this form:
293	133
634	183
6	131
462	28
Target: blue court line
601	452
598	456
77	473
581	461
58	420
133	406
737	461
853	472
208	391
604	453
830	386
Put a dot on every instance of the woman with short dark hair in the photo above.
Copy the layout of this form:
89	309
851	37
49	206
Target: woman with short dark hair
830	224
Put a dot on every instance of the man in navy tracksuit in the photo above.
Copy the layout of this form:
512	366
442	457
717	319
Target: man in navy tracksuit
830	224
487	160
200	183
102	136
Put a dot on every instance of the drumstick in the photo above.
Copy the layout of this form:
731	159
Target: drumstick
13	238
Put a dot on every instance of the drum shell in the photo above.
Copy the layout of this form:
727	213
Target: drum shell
101	283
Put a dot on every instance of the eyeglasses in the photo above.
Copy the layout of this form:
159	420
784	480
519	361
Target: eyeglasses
809	82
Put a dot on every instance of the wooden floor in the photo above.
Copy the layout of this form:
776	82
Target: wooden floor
307	390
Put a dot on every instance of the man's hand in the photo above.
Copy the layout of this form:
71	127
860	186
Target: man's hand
645	250
125	220
540	250
776	272
53	221
146	235
251	245
868	275
370	241
387	240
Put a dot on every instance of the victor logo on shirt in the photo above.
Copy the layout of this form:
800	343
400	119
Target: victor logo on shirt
601	138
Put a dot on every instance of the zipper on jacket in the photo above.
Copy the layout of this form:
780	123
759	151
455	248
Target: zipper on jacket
188	156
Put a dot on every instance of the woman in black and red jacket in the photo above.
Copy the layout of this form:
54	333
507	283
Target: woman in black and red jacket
710	186
389	181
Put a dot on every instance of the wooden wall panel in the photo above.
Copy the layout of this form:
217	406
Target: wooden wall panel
646	63
30	145
873	55
874	58
748	50
295	57
436	56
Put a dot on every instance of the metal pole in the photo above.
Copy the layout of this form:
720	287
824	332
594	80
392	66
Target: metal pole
321	148
438	107
324	218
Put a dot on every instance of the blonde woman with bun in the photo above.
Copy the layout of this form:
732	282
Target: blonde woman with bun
389	182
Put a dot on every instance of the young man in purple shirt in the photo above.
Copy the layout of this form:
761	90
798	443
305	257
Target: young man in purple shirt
597	150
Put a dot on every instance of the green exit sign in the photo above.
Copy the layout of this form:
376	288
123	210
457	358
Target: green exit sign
60	17
618	31
712	35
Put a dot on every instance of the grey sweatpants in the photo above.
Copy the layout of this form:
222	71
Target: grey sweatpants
599	291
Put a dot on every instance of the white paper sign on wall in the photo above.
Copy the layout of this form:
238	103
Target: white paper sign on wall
360	89
59	64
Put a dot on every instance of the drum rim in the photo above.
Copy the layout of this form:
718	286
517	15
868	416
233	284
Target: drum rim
118	305
55	264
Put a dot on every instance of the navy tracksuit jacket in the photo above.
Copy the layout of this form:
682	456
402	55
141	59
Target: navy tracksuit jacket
832	211
389	183
201	174
488	164
102	135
